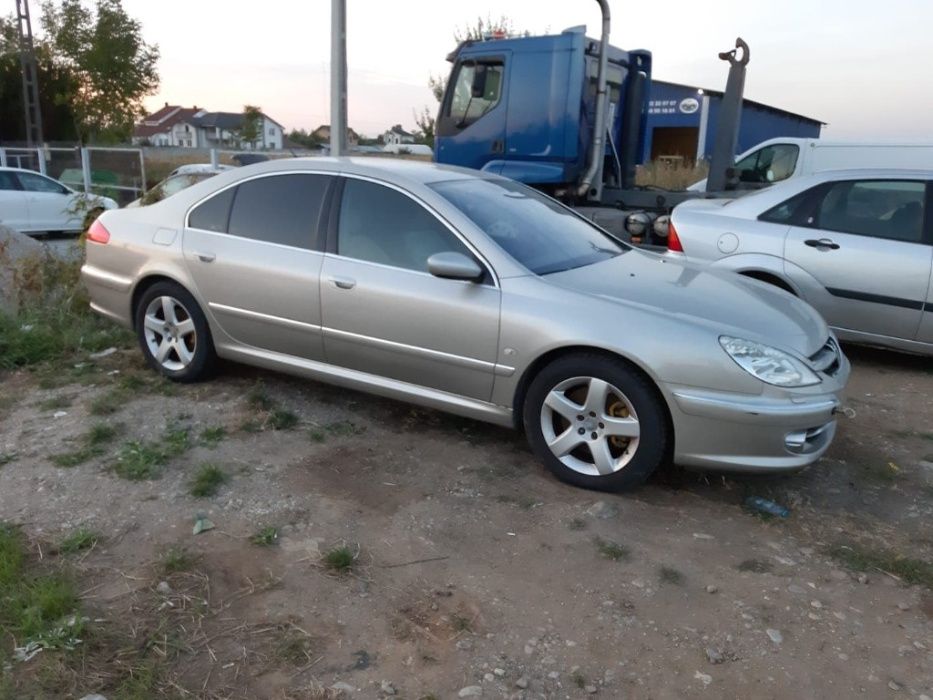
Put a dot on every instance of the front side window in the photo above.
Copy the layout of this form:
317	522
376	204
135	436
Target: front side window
282	209
891	209
535	230
769	164
381	225
37	183
477	90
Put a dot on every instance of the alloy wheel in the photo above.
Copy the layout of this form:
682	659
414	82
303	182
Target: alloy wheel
170	333
590	426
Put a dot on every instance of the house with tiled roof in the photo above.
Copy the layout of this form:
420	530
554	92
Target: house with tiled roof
197	128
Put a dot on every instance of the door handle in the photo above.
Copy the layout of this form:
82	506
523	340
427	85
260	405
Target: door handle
498	146
206	257
343	282
822	243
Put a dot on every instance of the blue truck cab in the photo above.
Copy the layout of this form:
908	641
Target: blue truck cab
525	108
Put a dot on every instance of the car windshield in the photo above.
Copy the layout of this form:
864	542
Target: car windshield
534	229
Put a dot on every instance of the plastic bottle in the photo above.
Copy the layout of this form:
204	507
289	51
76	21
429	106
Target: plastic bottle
763	505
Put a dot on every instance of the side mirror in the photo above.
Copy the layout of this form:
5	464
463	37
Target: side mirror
455	266
478	88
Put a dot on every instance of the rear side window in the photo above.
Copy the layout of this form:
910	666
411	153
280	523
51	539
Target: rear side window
891	209
7	181
788	211
282	209
381	225
214	213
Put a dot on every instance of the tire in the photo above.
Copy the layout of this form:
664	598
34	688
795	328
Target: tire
185	340
590	401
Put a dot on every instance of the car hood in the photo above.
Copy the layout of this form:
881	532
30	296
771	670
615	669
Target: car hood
725	302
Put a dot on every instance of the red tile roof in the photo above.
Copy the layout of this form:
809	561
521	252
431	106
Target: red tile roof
163	120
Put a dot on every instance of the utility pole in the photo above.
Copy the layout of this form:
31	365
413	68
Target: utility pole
27	59
338	77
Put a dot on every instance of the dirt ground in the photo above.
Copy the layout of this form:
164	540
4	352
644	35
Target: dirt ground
475	573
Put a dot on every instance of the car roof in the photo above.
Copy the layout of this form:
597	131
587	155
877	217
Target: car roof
401	170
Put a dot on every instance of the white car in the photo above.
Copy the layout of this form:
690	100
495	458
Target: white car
179	179
33	203
857	245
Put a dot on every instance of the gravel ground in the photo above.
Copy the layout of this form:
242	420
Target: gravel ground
474	573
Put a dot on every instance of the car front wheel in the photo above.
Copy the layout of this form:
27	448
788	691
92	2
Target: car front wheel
173	333
597	423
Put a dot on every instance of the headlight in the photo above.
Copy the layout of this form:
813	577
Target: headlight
768	364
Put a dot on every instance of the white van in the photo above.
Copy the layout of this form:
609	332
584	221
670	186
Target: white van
783	158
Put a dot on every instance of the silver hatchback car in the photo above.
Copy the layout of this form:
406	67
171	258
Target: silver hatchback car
476	295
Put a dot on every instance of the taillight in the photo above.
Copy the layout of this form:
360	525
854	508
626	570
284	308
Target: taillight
673	240
97	233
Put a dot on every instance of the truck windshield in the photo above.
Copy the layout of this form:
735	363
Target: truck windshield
538	232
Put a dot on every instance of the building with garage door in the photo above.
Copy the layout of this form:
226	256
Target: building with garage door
682	123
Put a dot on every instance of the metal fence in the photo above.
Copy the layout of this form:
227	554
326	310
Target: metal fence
118	173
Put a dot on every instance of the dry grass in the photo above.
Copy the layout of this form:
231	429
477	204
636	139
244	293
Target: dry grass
670	176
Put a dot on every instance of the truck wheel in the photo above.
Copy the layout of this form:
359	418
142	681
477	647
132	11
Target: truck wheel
173	333
597	423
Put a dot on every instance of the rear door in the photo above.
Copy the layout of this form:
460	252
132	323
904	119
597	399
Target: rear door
14	210
385	314
471	126
865	243
51	204
255	255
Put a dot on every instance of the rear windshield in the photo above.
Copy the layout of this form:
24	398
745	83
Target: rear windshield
537	231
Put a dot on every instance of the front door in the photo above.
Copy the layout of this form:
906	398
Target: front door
14	210
255	257
383	312
471	125
52	206
864	243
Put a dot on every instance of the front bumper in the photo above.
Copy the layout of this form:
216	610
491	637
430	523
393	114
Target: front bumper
729	432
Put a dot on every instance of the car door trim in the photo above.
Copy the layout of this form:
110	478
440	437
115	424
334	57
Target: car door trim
418	351
268	318
876	298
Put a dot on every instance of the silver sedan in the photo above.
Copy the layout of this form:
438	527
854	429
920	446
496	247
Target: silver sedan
857	245
476	295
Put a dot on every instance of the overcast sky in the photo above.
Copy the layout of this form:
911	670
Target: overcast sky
864	67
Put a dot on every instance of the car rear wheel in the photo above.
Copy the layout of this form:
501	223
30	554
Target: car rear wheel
173	333
597	423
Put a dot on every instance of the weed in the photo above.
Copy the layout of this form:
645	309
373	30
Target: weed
670	575
92	445
34	606
78	541
293	646
578	679
259	399
177	559
56	403
109	403
207	481
611	550
910	570
139	461
212	436
755	566
317	435
339	559
7	457
282	419
266	537
577	524
523	502
251	425
461	623
344	428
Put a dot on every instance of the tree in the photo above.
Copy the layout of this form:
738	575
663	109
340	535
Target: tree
112	66
251	128
55	88
477	31
306	139
425	122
